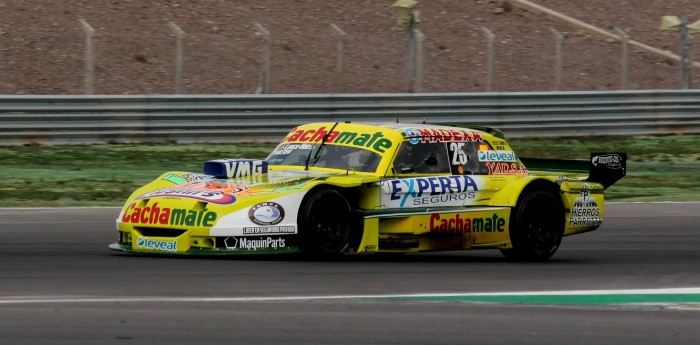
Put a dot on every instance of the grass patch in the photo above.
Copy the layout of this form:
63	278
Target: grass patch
659	167
100	174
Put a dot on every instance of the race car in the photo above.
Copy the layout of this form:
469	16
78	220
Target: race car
332	188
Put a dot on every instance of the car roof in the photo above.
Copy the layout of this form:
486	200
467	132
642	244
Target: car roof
419	129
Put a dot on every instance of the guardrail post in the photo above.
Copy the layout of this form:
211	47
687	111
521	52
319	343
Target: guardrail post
340	77
179	60
558	58
420	60
489	57
89	57
624	39
264	86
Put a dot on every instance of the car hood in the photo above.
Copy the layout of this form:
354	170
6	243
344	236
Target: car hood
197	187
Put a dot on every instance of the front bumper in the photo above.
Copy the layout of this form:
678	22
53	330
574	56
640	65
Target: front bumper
136	240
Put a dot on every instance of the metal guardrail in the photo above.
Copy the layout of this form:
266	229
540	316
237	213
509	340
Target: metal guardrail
255	118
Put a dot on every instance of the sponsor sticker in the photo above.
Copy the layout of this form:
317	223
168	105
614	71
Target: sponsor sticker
496	156
166	216
437	190
228	186
216	197
413	135
499	144
370	247
269	230
187	177
193	177
504	168
610	161
234	168
147	243
585	211
254	243
266	213
175	179
433	135
456	223
286	149
373	141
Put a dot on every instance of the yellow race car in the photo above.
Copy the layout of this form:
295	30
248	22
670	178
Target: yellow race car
331	188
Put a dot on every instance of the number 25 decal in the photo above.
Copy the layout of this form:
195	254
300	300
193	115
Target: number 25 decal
459	157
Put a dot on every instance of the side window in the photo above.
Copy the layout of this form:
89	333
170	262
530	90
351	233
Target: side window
479	158
465	157
422	158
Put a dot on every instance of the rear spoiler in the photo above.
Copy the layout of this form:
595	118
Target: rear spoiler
605	168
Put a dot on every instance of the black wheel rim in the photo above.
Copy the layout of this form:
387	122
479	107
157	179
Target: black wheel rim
541	229
330	225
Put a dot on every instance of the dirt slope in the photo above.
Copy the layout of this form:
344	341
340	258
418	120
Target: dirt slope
42	45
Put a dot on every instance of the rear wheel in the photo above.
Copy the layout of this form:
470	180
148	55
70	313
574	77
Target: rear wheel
325	223
537	226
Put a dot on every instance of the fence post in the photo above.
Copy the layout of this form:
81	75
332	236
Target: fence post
558	58
489	56
264	86
691	61
420	60
89	57
410	55
340	77
624	39
179	60
1	32
683	50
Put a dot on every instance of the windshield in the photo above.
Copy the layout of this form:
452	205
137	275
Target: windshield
331	156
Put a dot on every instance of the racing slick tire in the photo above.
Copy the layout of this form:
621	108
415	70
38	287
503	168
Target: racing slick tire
537	226
325	223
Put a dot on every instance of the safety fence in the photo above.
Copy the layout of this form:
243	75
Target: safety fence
266	118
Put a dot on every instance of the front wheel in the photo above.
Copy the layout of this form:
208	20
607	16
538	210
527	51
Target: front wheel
325	223
537	226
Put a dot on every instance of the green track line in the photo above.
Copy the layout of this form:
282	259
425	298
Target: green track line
593	299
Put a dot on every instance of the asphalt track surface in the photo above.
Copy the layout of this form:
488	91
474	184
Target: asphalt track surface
59	284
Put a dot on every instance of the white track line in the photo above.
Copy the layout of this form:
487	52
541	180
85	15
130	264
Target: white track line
86	299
